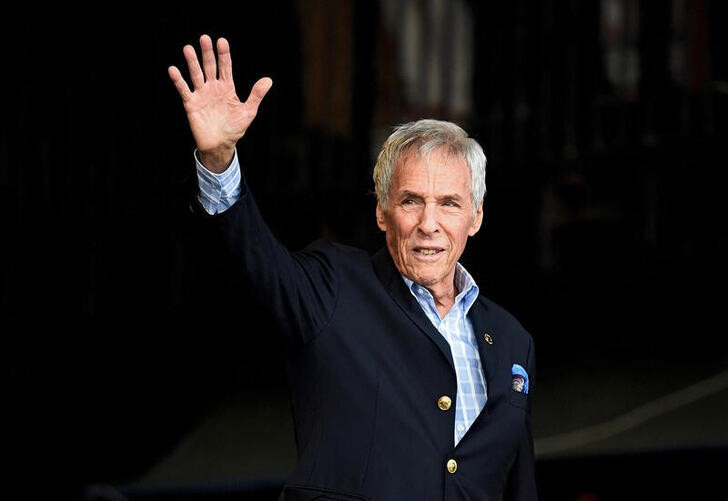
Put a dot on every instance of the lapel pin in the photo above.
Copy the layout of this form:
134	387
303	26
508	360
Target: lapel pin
488	338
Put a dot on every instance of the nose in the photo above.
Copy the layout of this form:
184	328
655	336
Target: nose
428	220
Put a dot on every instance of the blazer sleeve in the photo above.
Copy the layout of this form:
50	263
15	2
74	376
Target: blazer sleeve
299	288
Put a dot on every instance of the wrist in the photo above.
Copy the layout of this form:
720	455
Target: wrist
217	160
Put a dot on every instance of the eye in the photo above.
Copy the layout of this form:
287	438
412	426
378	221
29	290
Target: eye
451	203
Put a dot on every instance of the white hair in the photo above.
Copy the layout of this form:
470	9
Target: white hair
422	137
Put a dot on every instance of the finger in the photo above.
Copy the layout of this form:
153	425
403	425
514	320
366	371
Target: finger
258	92
176	76
208	58
224	62
193	66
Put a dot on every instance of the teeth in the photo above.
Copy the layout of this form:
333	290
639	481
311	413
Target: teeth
427	252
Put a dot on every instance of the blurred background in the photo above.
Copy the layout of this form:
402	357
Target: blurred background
605	125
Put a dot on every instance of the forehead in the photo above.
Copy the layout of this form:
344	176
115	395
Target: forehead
440	168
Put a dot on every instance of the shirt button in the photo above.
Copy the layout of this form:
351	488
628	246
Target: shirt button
444	402
452	465
421	291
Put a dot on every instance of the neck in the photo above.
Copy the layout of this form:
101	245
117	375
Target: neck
444	298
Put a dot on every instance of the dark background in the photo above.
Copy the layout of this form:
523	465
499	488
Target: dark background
605	224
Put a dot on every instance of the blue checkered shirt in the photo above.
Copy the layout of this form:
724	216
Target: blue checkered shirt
219	191
458	331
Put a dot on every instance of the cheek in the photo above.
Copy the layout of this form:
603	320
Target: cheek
402	226
399	238
460	236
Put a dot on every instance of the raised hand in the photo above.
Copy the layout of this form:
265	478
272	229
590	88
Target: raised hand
217	117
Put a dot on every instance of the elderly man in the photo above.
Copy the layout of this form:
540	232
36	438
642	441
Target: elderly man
406	383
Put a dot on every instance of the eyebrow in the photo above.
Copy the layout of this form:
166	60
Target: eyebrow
454	197
408	194
411	194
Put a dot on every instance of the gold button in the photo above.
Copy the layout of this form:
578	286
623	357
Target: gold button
452	465
444	402
488	338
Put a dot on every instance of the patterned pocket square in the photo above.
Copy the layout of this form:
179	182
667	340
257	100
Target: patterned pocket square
519	382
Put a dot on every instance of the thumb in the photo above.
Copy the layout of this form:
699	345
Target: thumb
258	92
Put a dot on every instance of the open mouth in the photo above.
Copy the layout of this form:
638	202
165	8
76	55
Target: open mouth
428	251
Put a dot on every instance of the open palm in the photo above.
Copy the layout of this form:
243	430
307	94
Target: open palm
217	117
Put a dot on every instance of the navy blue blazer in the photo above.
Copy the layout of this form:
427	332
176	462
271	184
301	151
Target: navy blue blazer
367	369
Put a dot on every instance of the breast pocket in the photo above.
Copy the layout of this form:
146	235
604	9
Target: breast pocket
519	399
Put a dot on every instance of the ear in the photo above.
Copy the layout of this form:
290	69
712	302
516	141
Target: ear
381	222
477	221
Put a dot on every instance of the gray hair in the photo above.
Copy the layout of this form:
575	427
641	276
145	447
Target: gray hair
422	137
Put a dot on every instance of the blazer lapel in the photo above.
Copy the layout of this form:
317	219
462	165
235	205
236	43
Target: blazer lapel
395	285
487	340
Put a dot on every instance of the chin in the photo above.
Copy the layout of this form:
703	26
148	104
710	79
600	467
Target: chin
425	280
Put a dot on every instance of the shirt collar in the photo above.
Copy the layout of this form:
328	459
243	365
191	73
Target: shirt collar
464	283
